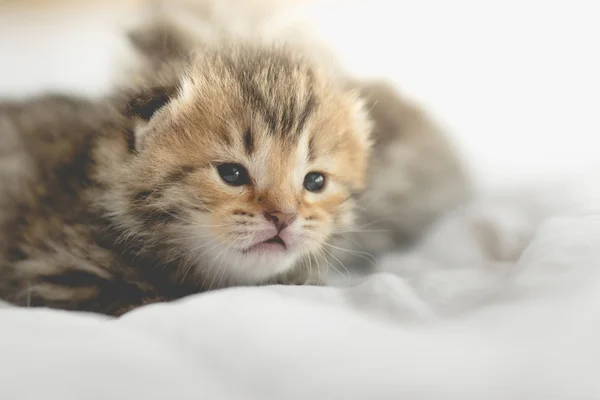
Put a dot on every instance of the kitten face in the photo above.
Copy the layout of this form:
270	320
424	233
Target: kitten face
248	166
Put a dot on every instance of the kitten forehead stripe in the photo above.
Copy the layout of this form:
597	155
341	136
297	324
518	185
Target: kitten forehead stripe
281	112
249	141
259	102
312	155
288	117
309	108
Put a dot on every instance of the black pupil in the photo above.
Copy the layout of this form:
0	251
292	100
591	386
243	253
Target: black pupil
233	174
314	181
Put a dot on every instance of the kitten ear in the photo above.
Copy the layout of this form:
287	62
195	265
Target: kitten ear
145	104
142	106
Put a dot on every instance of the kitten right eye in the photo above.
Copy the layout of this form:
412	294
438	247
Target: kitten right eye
233	174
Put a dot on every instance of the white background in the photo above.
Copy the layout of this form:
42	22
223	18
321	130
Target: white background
515	82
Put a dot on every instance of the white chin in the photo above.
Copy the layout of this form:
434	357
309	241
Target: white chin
247	268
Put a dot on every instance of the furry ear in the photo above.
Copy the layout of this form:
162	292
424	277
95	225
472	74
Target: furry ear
145	104
141	107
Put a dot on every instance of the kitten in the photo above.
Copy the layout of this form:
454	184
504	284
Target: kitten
415	174
229	167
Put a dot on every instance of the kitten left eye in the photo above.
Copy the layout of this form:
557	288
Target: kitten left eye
314	181
233	174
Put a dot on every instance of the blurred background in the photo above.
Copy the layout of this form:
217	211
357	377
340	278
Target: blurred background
516	83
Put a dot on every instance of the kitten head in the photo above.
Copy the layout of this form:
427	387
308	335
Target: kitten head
243	165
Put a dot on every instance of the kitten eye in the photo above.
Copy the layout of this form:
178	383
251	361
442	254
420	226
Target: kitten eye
234	174
314	181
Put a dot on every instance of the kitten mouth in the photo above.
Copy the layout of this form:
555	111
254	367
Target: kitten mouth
276	239
269	244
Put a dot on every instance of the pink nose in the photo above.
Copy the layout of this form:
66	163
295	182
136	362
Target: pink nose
281	220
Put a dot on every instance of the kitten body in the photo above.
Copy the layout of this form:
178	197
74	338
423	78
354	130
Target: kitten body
415	176
108	205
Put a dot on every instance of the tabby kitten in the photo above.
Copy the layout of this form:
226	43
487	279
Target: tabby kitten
415	175
229	167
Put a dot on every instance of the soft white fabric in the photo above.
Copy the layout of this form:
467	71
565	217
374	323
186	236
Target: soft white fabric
500	301
531	335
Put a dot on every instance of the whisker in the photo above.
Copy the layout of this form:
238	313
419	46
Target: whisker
202	245
194	264
363	231
321	254
222	254
362	254
193	223
319	268
347	238
309	269
212	266
225	269
370	223
329	264
341	264
188	238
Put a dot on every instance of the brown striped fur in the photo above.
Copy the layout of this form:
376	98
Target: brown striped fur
107	205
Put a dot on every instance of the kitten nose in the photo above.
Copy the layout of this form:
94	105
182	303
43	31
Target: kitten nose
281	220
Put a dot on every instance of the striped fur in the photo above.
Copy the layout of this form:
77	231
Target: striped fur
112	204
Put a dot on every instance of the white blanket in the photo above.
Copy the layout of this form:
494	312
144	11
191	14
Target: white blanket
530	331
500	301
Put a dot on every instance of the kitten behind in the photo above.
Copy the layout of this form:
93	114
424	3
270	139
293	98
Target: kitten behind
415	176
